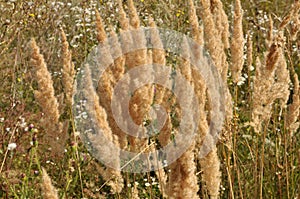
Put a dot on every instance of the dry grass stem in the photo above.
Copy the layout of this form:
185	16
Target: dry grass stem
48	190
216	38
249	52
124	21
102	142
133	15
101	35
211	173
292	118
118	69
281	89
200	92
237	43
68	72
135	192
158	58
142	98
197	32
221	21
293	14
182	178
270	36
45	96
158	53
295	28
272	57
266	88
215	46
211	35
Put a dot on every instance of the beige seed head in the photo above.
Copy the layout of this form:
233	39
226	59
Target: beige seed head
48	190
237	43
101	35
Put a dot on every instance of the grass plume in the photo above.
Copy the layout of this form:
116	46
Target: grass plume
48	190
45	96
68	71
237	43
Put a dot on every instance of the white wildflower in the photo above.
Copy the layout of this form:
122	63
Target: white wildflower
241	81
11	146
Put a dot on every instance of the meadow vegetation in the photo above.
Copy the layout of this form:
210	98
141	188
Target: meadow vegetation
254	45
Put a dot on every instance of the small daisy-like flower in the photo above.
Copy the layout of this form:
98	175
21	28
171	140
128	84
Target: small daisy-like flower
147	184
11	146
241	81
